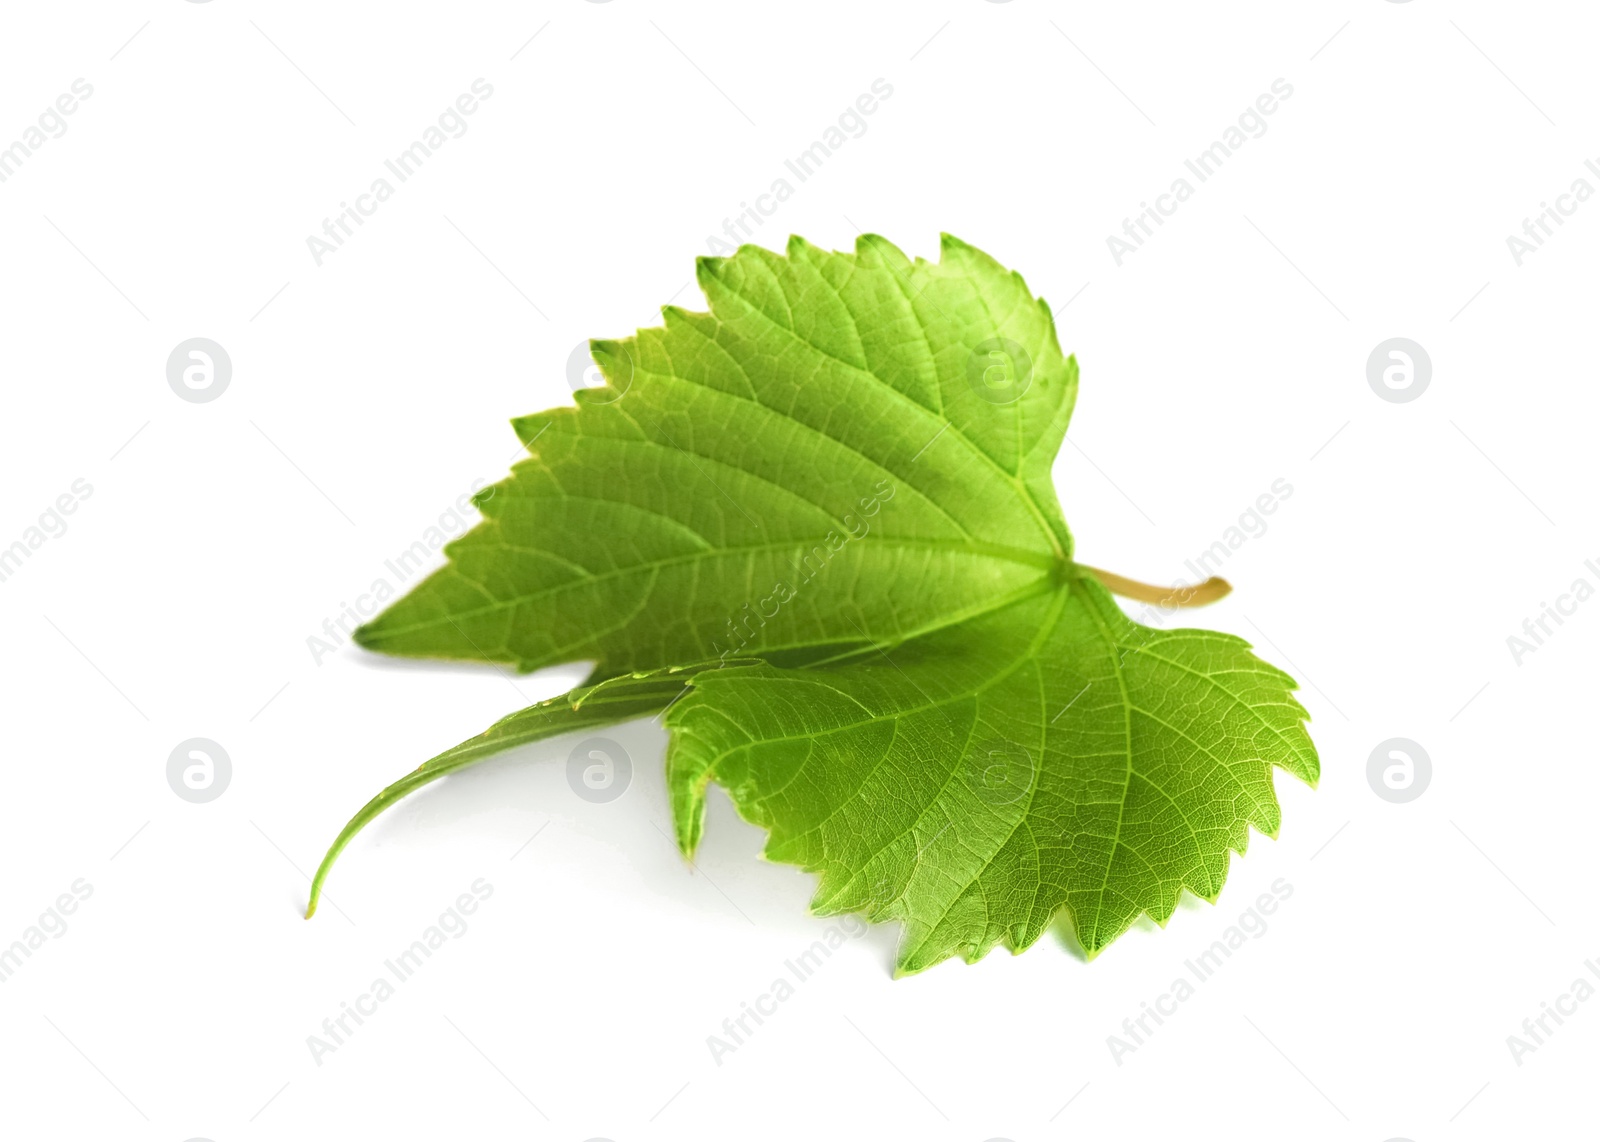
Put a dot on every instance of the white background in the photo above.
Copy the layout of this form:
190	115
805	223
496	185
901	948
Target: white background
369	392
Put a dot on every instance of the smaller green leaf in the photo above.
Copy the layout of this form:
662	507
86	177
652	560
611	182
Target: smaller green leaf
605	703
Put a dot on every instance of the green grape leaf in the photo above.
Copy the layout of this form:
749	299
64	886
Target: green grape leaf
890	421
815	529
975	782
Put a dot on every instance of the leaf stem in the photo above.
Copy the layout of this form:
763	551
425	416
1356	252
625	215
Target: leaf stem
1198	595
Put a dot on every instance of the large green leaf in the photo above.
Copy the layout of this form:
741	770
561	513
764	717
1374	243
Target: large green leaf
816	527
832	411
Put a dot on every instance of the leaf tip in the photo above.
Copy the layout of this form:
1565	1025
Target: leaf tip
708	268
526	428
615	360
950	244
686	831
